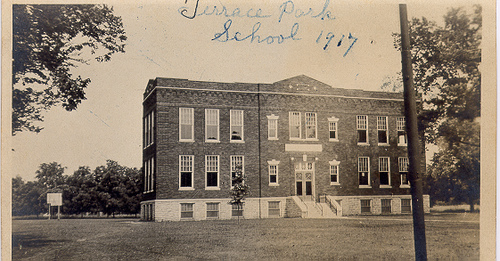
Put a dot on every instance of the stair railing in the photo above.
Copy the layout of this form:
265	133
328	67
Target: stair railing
330	204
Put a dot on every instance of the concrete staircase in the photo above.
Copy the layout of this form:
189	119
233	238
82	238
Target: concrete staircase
312	209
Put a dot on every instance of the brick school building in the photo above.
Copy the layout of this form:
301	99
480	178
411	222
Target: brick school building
306	150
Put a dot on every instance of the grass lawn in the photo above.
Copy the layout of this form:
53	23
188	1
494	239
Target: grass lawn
449	236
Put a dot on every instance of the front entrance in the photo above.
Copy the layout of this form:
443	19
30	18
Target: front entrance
304	180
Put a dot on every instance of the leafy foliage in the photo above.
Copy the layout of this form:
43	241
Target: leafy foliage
446	69
446	64
48	40
109	189
239	190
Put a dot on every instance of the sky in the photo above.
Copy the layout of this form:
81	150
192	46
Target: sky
351	47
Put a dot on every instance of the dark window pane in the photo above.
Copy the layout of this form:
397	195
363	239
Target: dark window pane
384	178
186	179
363	178
212	179
362	136
333	178
332	135
382	136
272	178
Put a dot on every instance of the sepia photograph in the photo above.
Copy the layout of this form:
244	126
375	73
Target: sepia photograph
249	130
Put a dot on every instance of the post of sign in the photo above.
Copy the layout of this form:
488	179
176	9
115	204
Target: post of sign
55	199
414	151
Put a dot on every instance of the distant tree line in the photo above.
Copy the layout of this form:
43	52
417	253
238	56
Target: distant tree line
110	189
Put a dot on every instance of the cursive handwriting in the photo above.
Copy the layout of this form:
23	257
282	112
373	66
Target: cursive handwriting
226	36
288	8
329	37
222	11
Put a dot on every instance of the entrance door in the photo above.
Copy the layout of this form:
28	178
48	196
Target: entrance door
304	175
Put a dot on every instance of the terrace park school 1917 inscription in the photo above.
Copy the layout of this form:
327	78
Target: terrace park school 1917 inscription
231	30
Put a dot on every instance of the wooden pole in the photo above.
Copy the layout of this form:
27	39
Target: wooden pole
414	151
49	211
58	212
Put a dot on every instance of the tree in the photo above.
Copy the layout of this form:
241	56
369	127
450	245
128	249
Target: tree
27	198
446	72
78	195
239	191
48	40
50	175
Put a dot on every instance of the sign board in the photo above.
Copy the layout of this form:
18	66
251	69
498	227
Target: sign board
54	199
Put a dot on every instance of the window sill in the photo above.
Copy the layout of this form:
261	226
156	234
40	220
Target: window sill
298	139
334	140
334	184
365	186
237	141
186	141
385	186
272	139
186	189
363	144
384	144
274	184
404	186
149	145
212	188
212	141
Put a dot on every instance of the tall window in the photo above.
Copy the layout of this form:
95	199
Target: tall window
186	124
311	126
334	172
272	127
211	125
149	128
332	129
237	162
187	210
149	175
212	210
384	171
212	171
273	172
383	135
295	125
236	125
364	171
362	127
186	171
403	171
401	128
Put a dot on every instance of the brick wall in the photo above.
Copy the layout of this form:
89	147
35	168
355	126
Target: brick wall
344	105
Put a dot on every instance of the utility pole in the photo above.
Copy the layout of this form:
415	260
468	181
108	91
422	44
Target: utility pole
414	152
